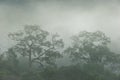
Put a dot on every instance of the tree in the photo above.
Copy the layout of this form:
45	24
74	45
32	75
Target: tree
90	51
12	61
90	47
37	45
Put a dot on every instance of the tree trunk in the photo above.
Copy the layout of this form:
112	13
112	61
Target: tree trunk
30	60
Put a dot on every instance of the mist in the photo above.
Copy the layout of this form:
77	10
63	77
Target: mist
88	47
66	17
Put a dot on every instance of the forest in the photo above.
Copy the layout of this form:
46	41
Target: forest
37	54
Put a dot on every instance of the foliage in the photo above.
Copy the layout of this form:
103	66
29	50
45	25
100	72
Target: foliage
37	45
90	47
36	51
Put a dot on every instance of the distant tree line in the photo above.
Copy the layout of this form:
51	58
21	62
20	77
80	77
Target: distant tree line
35	53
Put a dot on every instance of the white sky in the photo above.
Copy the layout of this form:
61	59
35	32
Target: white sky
67	17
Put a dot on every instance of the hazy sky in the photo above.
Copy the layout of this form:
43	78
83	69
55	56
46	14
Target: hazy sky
67	17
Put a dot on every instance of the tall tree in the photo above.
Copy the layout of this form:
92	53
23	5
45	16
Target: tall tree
90	47
37	45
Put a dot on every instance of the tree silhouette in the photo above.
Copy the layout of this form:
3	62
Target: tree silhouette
90	47
37	45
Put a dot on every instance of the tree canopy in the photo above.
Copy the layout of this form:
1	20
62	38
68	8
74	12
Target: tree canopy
36	51
37	44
